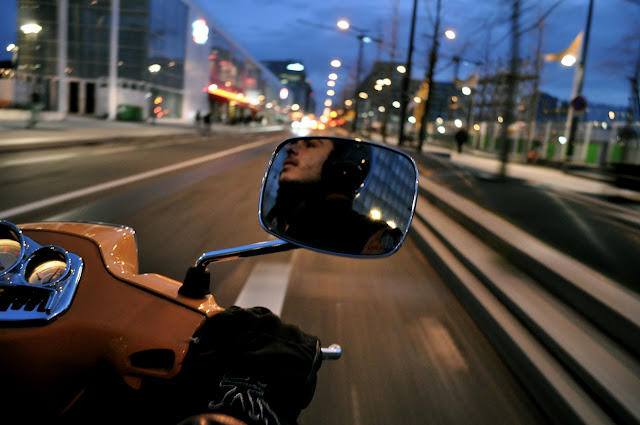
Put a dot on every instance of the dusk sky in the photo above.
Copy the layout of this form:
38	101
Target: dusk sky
303	30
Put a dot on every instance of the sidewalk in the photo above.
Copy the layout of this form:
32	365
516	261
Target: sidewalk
51	131
591	183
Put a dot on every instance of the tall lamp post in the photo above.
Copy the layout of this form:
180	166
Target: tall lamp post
578	81
153	69
433	57
343	24
33	29
404	95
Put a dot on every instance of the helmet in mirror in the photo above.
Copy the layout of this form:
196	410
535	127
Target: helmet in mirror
338	195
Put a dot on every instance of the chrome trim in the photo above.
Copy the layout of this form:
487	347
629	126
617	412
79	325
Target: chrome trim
243	252
19	239
22	302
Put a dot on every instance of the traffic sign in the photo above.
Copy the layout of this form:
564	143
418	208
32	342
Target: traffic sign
579	103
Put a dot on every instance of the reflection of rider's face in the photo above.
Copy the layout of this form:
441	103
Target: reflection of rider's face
304	161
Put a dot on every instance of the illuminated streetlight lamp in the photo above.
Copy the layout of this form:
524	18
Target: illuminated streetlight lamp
336	63
31	28
344	25
450	34
154	69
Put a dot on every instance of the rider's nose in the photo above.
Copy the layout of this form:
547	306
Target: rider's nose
292	148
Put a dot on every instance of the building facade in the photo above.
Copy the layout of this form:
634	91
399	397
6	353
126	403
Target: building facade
137	59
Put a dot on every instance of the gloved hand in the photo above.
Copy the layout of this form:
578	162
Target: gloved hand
264	370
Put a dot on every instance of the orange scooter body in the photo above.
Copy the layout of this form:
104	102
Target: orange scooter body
134	324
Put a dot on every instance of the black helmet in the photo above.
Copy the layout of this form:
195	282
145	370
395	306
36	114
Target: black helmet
347	167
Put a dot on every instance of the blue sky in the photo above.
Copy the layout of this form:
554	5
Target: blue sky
274	30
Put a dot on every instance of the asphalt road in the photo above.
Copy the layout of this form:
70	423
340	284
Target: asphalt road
412	355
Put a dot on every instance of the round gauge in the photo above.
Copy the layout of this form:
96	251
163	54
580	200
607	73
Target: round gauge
10	253
46	265
47	272
11	246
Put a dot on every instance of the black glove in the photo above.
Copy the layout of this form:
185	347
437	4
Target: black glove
262	371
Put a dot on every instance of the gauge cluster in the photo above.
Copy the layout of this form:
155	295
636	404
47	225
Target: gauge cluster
37	283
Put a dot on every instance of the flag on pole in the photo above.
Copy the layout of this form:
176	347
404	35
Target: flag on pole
572	50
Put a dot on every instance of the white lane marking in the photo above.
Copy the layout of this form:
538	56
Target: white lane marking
266	287
126	180
36	159
109	151
439	344
355	405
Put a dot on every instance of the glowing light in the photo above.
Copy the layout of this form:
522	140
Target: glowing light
392	224
386	82
348	102
328	102
441	130
476	127
500	119
295	107
458	123
363	95
333	76
11	47
284	93
412	119
343	24
562	140
336	63
612	115
466	91
157	100
396	104
450	34
330	92
568	60
401	69
375	214
31	28
417	99
295	67
377	87
331	83
381	109
200	31
439	120
154	68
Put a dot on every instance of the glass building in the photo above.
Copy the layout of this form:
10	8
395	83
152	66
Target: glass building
139	59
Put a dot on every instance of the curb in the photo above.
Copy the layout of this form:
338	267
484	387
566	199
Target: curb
579	370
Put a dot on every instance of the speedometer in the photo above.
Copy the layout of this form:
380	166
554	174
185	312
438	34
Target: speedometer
11	246
47	265
47	272
9	253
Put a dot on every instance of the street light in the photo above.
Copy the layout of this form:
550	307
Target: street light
344	25
33	29
578	87
154	69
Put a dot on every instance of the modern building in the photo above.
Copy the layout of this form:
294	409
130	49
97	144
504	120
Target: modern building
293	76
137	59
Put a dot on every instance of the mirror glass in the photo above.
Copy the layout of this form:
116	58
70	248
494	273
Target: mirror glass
339	195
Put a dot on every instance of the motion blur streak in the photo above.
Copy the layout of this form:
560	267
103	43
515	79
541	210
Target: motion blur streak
126	180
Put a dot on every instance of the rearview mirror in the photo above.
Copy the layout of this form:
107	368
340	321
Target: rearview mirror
338	195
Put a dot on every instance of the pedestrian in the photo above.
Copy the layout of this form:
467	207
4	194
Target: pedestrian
207	123
461	137
35	108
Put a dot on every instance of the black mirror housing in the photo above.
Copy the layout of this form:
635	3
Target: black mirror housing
339	196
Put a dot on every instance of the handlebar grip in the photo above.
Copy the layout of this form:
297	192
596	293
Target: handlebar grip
332	353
